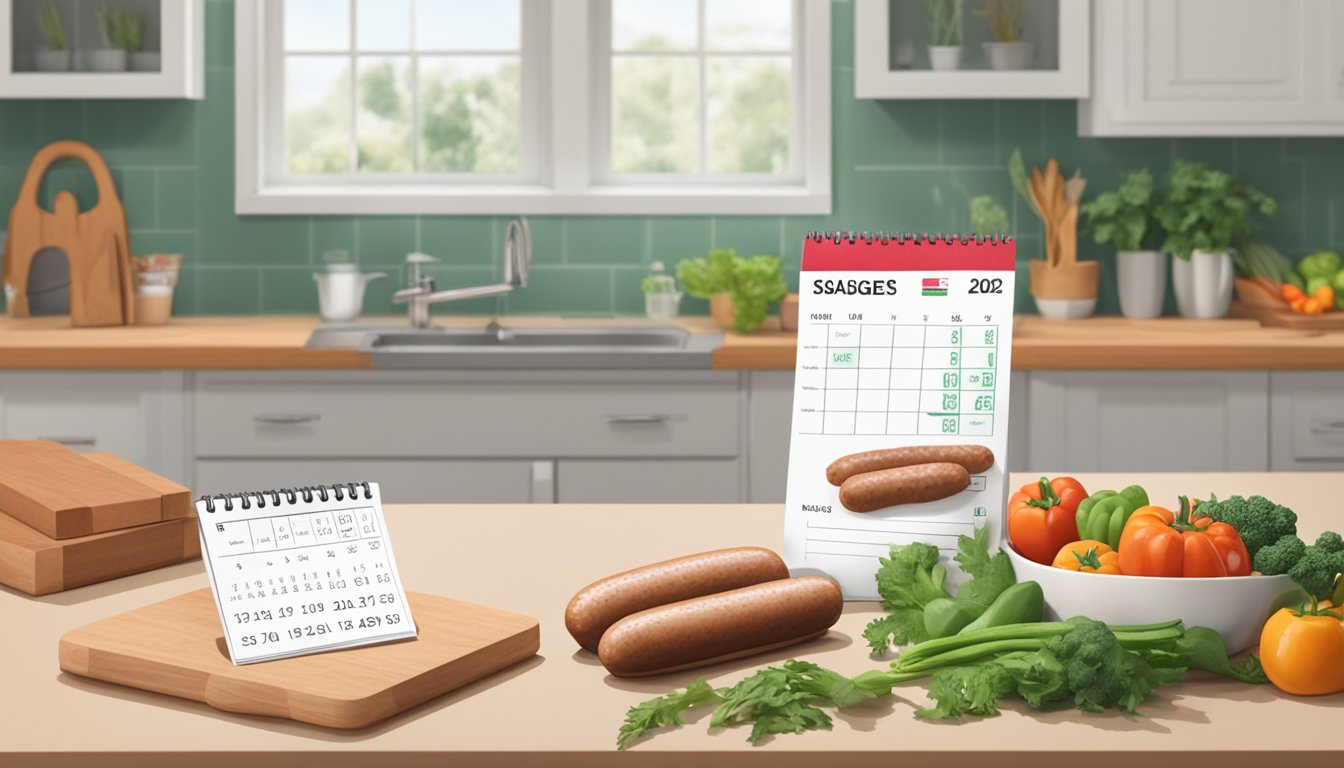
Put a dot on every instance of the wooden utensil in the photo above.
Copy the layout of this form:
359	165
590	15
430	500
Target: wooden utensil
63	494
38	565
95	241
175	647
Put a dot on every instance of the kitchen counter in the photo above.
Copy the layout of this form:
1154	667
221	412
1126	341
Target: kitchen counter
233	343
562	709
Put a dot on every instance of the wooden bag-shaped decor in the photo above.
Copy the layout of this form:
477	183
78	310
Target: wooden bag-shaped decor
94	241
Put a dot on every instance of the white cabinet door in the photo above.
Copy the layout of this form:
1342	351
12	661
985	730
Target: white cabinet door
1215	68
137	415
1149	421
659	481
401	481
1307	411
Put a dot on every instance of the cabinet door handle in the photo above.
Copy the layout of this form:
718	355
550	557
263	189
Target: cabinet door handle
83	440
637	418
1328	428
287	418
543	483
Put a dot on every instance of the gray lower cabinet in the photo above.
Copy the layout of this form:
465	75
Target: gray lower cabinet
1306	409
1148	421
138	415
401	481
770	427
632	481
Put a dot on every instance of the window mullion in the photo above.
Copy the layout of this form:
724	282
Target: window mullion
354	92
415	93
571	93
704	88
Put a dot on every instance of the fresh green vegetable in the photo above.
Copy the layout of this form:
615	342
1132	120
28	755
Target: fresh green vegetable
1102	516
1122	217
1207	210
1321	264
1258	260
911	578
664	711
988	217
1280	557
1259	521
1316	283
947	616
754	283
1338	285
53	31
1021	603
1316	570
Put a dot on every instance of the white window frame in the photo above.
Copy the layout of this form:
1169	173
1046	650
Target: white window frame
567	180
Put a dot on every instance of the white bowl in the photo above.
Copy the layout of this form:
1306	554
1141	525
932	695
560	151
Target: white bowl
1066	309
1235	606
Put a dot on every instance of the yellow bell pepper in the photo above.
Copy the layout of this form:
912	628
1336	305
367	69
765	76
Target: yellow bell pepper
1088	556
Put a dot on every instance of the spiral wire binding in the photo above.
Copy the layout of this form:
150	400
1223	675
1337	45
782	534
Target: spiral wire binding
339	491
901	238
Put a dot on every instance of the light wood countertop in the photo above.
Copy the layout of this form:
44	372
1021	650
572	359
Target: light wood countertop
562	709
278	342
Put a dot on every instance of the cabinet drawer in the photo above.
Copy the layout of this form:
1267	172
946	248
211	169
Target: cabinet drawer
467	414
1308	412
680	481
408	481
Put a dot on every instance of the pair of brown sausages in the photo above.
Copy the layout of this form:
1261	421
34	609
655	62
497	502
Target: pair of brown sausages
698	610
907	475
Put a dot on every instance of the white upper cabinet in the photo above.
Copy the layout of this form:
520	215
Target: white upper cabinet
1216	68
95	49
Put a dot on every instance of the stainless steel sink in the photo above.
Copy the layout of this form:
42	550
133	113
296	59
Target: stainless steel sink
500	347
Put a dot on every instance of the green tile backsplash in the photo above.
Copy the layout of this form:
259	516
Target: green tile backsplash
905	165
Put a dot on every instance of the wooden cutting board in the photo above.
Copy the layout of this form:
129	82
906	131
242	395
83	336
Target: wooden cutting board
64	494
33	563
177	647
1283	318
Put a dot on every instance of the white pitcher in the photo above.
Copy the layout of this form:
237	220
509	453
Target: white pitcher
340	291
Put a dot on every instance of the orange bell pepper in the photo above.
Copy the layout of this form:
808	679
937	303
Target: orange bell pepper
1088	556
1303	651
1042	517
1156	542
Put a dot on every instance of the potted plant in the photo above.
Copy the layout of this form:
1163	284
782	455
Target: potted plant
1007	24
1205	213
944	33
1063	287
988	217
112	57
1122	218
133	40
739	290
661	297
55	55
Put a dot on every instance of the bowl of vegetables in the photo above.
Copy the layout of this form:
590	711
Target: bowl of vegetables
1114	557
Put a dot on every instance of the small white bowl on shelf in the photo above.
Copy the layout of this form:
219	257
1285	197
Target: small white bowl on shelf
1235	606
1066	309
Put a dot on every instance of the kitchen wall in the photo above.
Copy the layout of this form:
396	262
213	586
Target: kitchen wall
901	165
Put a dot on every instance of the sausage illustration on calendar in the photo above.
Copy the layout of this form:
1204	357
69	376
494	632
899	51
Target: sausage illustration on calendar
900	415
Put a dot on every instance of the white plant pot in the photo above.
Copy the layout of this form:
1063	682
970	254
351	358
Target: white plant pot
106	60
1008	56
146	61
1142	279
945	58
1066	309
51	60
662	306
1203	284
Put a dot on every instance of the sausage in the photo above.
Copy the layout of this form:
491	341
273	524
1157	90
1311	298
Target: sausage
707	630
975	458
903	485
603	603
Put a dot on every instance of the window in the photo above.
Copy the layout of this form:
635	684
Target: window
533	106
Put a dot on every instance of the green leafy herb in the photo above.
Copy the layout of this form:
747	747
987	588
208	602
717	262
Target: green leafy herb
754	283
990	574
988	217
1122	217
663	712
1207	210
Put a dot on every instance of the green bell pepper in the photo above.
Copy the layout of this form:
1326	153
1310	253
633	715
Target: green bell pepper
1102	516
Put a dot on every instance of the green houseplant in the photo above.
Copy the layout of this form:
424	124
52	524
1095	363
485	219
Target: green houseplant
1205	213
739	289
944	33
54	55
988	217
1124	218
1007	25
112	27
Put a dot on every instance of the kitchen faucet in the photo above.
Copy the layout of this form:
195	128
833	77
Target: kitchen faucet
421	293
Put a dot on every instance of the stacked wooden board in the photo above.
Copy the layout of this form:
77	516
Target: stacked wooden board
70	519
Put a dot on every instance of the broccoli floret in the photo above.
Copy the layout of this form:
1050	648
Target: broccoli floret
1259	521
1279	557
1315	571
1330	542
1101	673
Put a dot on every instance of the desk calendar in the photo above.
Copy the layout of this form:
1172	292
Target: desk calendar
904	342
299	571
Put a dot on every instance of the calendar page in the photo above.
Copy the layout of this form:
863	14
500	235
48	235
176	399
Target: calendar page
301	571
900	405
